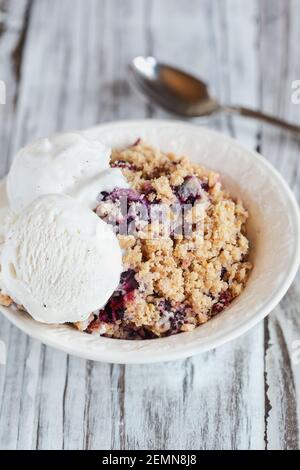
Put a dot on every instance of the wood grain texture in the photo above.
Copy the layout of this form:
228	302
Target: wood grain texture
64	62
279	25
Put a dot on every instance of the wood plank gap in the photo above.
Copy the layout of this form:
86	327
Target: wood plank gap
88	396
64	399
117	379
188	379
23	379
3	11
42	362
18	52
223	24
292	433
148	7
121	396
268	405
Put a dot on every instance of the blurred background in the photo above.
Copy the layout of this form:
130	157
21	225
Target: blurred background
64	64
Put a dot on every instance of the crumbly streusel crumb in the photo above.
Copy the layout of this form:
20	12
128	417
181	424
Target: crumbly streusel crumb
5	300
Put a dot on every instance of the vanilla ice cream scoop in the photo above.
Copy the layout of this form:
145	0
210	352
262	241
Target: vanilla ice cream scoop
60	261
67	163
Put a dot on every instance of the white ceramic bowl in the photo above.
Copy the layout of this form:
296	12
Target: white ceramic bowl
273	229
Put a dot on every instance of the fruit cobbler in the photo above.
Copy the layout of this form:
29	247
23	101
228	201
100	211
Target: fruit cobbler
183	241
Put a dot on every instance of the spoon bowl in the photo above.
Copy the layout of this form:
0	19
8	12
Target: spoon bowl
187	96
172	89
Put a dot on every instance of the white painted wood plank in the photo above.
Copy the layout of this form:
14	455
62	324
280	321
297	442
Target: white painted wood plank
13	26
184	37
238	55
12	31
207	402
279	67
29	391
49	404
99	418
12	388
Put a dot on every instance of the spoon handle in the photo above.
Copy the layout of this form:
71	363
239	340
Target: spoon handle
252	113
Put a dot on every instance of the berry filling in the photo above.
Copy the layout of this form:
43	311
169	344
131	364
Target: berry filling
123	165
115	307
128	282
129	194
225	298
173	316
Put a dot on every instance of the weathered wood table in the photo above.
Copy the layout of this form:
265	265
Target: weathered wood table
64	65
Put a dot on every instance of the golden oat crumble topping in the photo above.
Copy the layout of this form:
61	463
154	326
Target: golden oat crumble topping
5	300
180	282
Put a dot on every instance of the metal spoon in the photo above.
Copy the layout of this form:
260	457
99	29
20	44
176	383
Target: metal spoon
185	95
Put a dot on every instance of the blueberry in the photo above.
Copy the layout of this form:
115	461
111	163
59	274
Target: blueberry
190	190
223	301
128	281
